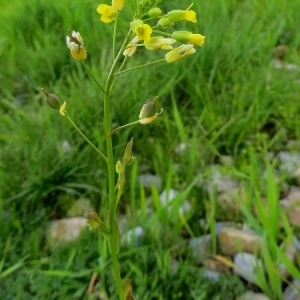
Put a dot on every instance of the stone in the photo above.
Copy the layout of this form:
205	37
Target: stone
211	274
290	252
200	247
133	237
228	202
219	182
149	180
292	292
250	295
245	265
291	206
233	240
65	230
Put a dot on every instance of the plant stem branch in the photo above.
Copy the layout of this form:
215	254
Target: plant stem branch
87	140
92	76
124	126
141	66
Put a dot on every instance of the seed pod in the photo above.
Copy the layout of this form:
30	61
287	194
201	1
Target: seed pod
52	100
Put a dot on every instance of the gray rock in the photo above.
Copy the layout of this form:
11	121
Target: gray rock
65	230
229	201
289	163
290	252
245	265
200	247
219	182
292	292
250	295
232	241
211	274
133	237
149	180
291	206
167	196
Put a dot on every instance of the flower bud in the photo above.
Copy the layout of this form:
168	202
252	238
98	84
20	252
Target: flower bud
164	22
159	42
155	12
182	15
76	45
178	15
62	109
186	37
131	47
118	4
52	100
180	52
119	167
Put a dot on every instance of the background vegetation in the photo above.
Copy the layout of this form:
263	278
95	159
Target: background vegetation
222	101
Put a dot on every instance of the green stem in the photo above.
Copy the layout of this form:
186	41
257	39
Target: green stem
113	239
92	76
124	126
141	66
82	134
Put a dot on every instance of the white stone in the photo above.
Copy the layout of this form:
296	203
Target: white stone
66	230
133	237
245	265
149	180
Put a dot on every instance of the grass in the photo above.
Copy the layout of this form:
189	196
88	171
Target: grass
226	99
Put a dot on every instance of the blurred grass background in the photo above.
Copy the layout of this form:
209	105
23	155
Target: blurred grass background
219	101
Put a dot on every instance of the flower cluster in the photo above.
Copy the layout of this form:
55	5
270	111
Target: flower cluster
149	37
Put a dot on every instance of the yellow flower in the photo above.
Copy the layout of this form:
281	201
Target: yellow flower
76	45
62	109
143	31
180	52
118	4
131	47
159	42
188	37
190	15
109	13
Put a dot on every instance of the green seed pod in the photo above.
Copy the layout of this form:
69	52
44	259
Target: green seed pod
52	100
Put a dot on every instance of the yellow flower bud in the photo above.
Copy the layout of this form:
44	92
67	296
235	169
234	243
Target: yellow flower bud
62	109
188	37
131	47
118	4
180	52
76	45
178	15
